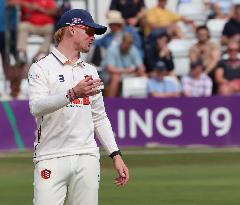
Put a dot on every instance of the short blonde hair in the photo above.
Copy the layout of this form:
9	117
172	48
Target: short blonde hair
58	35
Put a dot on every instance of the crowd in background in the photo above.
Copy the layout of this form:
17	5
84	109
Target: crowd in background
137	46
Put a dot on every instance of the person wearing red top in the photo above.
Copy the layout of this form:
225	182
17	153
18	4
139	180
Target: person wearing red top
37	18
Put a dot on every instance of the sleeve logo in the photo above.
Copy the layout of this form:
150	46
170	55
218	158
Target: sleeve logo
33	76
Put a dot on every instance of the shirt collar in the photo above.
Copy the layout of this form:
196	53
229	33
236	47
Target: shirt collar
64	60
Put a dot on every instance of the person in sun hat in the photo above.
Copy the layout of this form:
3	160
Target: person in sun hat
66	99
122	61
117	29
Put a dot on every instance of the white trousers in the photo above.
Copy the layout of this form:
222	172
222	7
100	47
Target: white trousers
73	177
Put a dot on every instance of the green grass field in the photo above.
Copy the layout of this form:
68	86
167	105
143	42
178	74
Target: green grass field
158	177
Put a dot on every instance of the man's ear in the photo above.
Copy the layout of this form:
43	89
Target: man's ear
70	30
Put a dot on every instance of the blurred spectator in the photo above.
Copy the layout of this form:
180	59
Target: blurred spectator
118	27
122	60
8	18
62	7
160	19
37	19
228	71
161	85
220	8
159	52
132	10
197	83
232	27
204	49
7	11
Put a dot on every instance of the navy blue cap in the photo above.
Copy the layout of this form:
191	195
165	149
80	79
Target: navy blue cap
160	66
79	17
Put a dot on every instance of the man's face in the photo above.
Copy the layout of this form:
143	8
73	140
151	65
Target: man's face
202	35
83	37
125	47
162	3
196	71
233	50
162	42
115	27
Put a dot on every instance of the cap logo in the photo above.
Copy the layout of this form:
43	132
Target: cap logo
75	21
75	17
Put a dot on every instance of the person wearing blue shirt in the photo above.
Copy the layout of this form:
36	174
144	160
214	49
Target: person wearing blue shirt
115	57
122	60
161	85
7	11
221	8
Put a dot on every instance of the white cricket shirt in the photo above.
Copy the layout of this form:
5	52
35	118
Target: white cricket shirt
65	128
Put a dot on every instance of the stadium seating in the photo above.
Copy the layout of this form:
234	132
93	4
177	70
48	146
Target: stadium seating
172	5
1	67
180	47
24	87
134	87
193	10
180	50
78	4
215	27
2	78
34	42
181	65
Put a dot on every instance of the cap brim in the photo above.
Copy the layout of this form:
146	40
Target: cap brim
99	29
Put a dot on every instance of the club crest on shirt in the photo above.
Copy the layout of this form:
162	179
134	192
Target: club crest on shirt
45	174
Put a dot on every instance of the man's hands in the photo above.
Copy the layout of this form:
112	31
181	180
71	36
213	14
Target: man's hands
88	87
122	170
128	70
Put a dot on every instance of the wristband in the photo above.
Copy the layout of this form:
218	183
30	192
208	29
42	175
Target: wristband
115	153
69	94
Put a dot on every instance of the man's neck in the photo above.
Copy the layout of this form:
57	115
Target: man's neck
69	52
202	42
196	77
